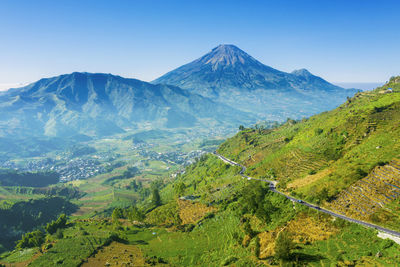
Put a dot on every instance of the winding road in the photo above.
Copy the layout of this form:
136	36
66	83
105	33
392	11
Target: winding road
272	187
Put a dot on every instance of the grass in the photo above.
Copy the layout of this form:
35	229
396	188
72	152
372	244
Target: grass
354	244
116	254
199	247
79	242
20	256
209	177
191	212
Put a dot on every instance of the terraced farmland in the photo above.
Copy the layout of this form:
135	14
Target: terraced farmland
298	163
368	195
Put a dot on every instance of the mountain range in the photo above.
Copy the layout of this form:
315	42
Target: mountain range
229	75
101	105
226	86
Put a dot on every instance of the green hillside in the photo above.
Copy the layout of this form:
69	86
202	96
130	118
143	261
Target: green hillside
321	157
346	160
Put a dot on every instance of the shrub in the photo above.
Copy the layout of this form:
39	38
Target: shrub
318	131
30	240
311	172
387	243
361	173
59	234
229	260
257	247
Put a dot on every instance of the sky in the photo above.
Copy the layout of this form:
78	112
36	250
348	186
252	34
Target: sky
349	41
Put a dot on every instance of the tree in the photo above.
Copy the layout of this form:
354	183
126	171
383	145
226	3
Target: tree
134	214
179	188
283	246
323	195
156	199
241	128
60	223
318	131
117	214
59	234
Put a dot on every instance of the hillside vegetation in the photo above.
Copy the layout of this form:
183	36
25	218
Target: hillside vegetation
208	215
326	158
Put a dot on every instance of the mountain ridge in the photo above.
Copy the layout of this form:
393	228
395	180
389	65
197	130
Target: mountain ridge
102	104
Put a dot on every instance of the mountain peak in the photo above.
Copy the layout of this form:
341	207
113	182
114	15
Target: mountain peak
225	55
227	47
302	72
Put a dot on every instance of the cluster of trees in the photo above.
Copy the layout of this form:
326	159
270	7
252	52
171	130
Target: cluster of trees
28	215
265	125
255	200
212	142
132	213
69	192
258	200
31	179
128	173
131	171
134	185
79	150
37	237
111	167
30	240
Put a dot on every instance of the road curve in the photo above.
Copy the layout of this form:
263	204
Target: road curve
272	187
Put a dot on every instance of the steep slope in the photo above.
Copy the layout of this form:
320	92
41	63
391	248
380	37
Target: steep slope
231	76
324	158
103	104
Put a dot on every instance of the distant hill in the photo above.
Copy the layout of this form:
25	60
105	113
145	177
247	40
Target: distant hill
103	104
362	86
229	75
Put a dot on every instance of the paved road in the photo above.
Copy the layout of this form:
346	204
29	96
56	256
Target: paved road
272	187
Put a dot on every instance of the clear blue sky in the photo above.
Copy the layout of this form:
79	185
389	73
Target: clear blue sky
342	41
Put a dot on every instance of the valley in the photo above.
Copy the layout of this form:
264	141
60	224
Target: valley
179	185
199	133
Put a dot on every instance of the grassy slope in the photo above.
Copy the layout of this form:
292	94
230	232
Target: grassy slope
340	146
218	239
